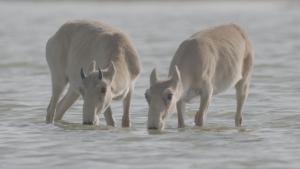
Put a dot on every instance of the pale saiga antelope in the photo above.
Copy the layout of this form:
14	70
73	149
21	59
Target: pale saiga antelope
99	62
206	64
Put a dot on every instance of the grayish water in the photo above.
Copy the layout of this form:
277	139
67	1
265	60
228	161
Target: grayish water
270	136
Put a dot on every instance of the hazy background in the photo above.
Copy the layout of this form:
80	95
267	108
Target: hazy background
270	136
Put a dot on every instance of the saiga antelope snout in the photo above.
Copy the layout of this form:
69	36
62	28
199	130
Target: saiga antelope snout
96	92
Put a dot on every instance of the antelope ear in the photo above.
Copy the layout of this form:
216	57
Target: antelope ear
153	77
110	72
92	67
176	77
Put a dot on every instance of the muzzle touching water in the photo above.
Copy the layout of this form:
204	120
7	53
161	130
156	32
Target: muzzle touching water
153	128
93	121
89	115
155	122
88	123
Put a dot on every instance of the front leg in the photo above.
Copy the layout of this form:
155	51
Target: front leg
180	110
206	96
126	108
108	117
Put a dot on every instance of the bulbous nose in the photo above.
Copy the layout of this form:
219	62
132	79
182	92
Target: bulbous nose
155	126
152	128
88	123
154	122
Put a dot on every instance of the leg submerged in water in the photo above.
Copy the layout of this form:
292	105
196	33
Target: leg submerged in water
65	103
242	89
204	103
126	108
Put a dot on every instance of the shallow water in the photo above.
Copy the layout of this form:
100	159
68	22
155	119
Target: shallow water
270	135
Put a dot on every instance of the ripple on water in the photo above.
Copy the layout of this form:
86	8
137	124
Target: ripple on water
268	139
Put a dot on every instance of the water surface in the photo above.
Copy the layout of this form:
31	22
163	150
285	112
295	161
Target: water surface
270	136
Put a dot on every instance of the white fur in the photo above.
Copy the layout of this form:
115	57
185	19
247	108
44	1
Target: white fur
207	63
89	45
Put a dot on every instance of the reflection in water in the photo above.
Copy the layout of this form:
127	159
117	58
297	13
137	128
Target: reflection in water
77	126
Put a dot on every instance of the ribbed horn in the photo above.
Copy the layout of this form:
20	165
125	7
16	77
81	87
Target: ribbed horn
100	73
82	74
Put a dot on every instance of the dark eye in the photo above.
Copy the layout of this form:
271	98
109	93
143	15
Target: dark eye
147	97
81	91
103	90
169	96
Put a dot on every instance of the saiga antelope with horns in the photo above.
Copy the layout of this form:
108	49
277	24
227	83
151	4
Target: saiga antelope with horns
206	64
72	54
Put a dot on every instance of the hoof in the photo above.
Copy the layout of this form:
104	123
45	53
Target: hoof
49	119
238	121
125	122
111	125
181	126
199	122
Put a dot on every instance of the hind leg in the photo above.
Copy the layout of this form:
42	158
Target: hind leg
180	105
242	89
65	103
126	108
108	117
206	96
